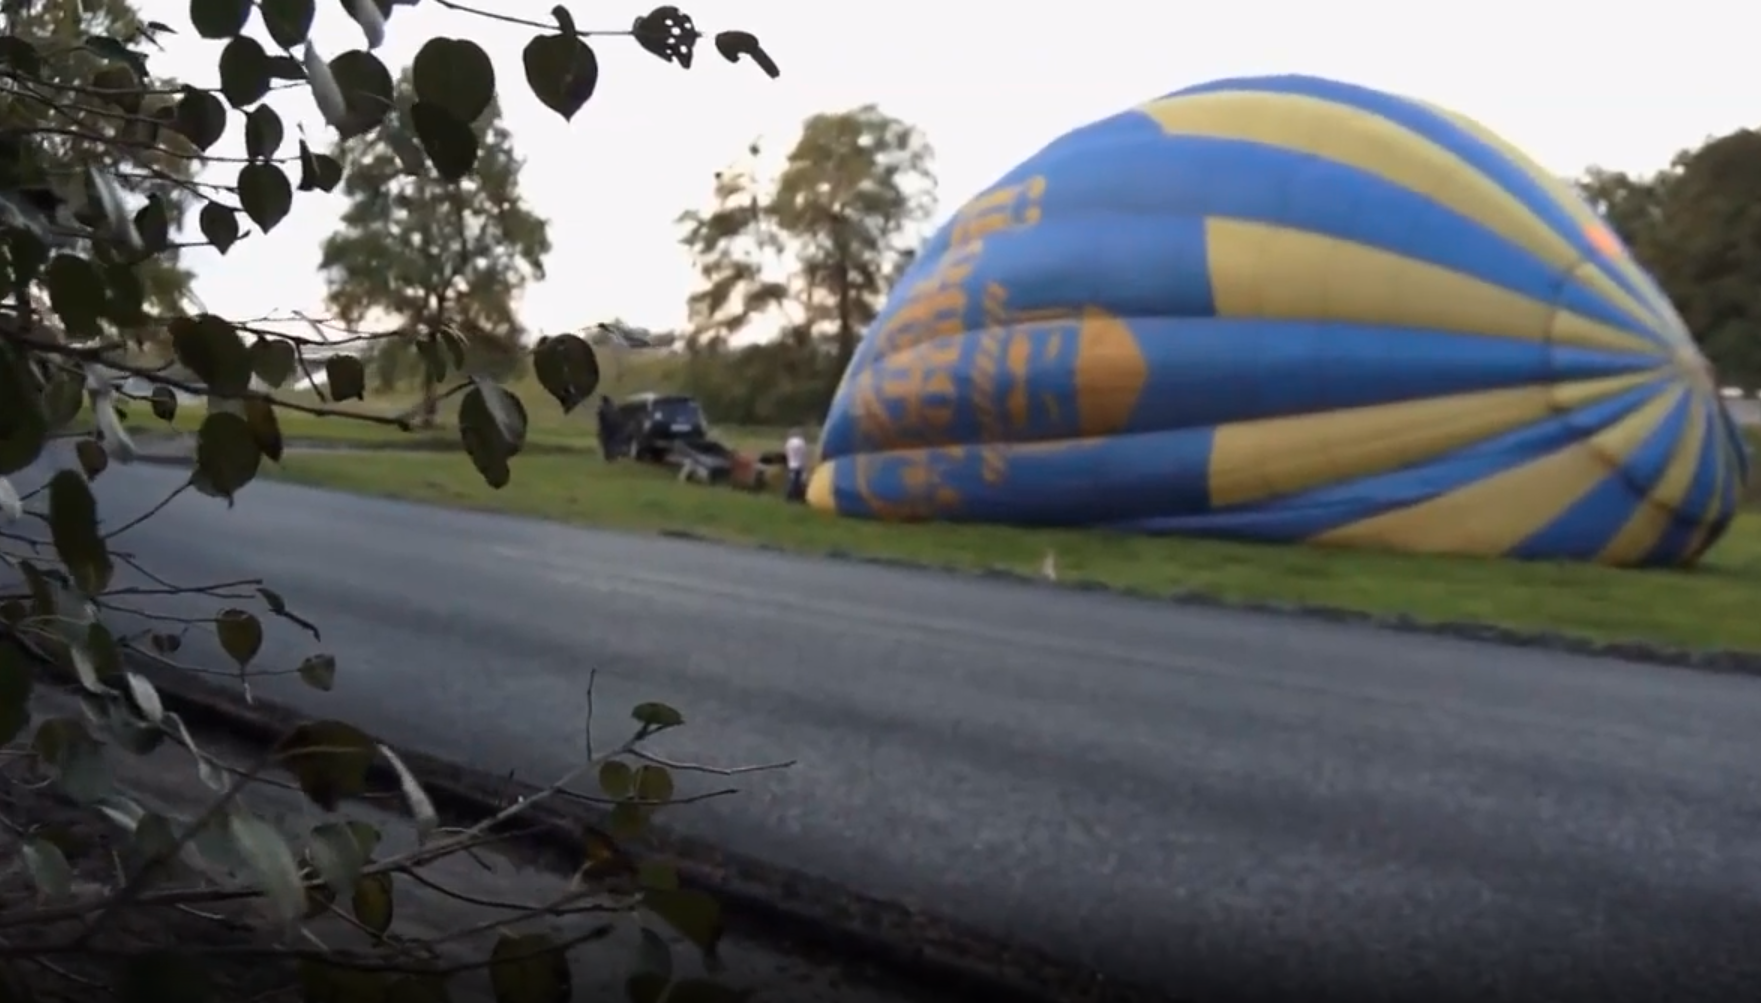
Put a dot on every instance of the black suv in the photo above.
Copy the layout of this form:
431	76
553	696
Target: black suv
651	423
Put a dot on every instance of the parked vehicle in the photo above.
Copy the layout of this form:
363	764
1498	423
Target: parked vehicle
652	424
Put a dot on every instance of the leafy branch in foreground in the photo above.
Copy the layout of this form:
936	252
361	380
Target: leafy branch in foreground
328	880
101	165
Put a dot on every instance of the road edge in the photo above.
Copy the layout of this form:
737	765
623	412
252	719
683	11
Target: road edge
787	908
1720	660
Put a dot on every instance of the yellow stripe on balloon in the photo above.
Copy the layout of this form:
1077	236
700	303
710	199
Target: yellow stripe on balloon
1663	317
1369	143
1493	516
1657	511
1397	155
1257	270
1255	460
1715	508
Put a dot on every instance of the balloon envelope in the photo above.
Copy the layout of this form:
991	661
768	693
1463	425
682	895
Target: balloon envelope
1288	309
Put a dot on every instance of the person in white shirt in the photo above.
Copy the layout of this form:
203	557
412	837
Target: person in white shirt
795	458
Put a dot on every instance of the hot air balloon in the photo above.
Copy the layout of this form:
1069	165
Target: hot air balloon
1288	309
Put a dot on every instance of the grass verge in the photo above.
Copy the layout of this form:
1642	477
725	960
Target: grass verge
548	427
1710	607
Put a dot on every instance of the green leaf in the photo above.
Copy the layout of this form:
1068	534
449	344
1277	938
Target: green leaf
263	132
273	360
163	401
265	427
346	376
200	117
451	145
529	968
240	634
616	779
288	21
227	455
455	76
657	875
286	68
265	194
693	915
653	783
567	369
366	88
372	902
329	759
77	293
154	225
92	458
63	398
562	72
24	427
655	716
119	86
272	862
73	528
339	850
319	672
162	975
278	606
318	171
48	868
219	18
219	225
128	297
152	846
734	44
16	683
244	72
76	757
26	253
486	436
211	348
21	55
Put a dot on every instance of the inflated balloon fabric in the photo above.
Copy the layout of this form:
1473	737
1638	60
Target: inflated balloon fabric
1288	309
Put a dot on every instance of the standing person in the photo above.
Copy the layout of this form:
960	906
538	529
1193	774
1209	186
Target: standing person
608	428
795	458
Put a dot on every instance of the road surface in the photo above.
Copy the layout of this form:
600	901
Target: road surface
1272	806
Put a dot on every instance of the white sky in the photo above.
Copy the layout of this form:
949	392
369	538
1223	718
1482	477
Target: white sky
1571	81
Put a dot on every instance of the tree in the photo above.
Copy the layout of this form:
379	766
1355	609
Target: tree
91	130
855	190
1696	226
432	253
87	131
817	250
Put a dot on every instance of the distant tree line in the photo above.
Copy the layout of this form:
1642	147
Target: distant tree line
1696	225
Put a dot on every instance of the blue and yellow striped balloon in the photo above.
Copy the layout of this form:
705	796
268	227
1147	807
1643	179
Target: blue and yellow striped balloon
1289	309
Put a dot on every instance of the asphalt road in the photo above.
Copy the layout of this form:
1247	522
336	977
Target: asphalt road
1262	805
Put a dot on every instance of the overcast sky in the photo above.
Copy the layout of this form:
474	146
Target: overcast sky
1572	81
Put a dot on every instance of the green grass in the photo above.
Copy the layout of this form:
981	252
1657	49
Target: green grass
548	427
1713	606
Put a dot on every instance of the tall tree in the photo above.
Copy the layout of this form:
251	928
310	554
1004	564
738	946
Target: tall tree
114	134
813	251
855	190
432	254
741	263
